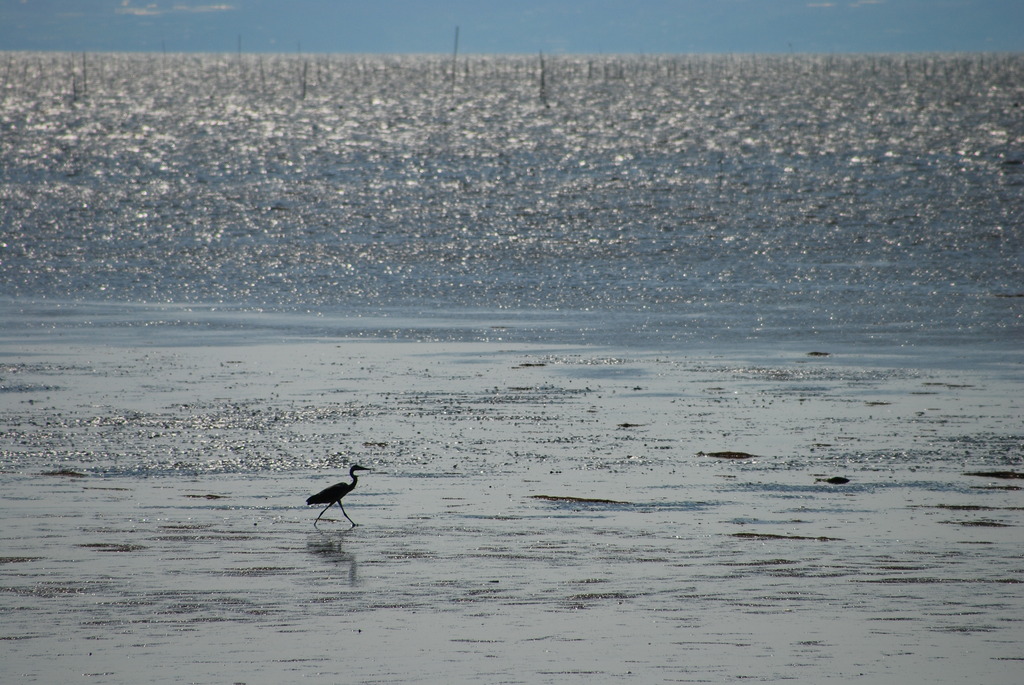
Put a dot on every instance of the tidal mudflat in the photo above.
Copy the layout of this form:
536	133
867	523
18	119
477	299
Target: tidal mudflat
534	514
683	369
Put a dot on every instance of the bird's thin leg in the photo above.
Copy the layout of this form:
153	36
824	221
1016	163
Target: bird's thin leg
346	514
322	512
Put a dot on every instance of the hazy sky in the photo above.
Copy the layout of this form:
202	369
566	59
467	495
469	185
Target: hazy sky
508	26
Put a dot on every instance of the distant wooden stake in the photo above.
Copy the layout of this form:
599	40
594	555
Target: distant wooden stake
543	84
455	57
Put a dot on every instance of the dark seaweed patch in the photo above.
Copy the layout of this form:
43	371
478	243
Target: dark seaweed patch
112	547
727	455
771	536
996	474
577	500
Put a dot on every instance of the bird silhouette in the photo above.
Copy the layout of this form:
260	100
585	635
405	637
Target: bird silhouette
335	493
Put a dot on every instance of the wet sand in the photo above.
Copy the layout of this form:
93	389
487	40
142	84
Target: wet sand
536	514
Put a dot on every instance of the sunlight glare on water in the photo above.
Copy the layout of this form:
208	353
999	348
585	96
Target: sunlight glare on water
774	197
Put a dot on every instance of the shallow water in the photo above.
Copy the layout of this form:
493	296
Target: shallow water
183	550
653	201
537	316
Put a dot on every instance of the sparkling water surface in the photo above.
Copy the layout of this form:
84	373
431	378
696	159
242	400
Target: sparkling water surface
869	200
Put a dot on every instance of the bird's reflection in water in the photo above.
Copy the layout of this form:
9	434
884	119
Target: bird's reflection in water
330	547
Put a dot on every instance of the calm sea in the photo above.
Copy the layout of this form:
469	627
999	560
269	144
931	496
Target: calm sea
656	201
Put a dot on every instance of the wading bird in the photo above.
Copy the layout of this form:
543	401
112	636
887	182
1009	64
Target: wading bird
335	493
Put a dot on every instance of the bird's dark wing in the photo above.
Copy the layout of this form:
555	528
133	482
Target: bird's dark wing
331	494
